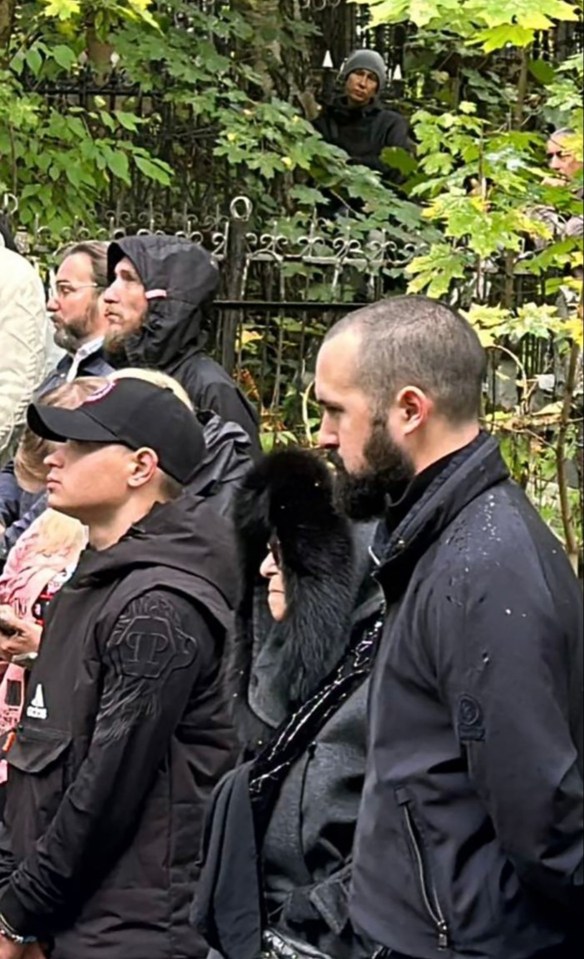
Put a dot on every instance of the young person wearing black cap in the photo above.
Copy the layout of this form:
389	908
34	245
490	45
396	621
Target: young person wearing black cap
356	121
123	730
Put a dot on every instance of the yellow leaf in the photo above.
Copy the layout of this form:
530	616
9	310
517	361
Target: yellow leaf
250	336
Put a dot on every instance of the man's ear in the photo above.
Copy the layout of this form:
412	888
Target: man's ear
414	407
144	463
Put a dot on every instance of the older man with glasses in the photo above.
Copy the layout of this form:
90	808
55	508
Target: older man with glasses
77	313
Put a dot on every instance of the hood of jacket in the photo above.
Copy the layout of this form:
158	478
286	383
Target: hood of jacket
181	278
185	535
276	666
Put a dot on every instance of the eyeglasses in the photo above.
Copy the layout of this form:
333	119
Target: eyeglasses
62	291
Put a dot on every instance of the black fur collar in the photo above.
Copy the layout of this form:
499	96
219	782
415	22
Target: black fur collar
275	667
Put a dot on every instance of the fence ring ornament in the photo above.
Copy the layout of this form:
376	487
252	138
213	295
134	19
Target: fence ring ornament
9	204
241	208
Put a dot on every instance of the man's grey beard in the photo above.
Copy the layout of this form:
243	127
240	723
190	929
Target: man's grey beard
364	495
76	333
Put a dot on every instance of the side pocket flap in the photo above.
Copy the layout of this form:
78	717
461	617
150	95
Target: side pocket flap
331	899
33	751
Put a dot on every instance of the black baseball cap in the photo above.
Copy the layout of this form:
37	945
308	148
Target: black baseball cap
134	413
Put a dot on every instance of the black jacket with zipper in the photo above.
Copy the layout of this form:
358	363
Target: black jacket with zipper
123	734
469	841
364	132
170	338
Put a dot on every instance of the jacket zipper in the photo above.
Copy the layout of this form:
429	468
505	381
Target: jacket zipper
433	908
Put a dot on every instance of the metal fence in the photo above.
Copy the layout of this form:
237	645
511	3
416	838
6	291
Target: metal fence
280	291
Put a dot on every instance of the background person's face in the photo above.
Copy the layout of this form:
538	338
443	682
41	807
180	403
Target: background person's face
561	160
126	305
87	480
74	303
370	461
346	413
276	592
361	86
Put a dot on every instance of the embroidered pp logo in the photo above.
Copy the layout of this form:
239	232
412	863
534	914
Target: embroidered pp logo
470	722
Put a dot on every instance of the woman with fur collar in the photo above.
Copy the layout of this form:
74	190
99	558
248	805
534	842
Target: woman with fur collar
277	854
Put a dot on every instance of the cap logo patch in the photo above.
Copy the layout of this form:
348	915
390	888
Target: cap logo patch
100	393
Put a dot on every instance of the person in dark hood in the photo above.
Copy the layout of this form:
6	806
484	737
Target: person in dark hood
356	121
159	289
124	729
306	636
469	840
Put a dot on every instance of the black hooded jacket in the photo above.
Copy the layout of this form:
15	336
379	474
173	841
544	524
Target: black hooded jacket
182	279
470	840
364	132
123	734
298	690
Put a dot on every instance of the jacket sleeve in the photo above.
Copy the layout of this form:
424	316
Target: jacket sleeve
504	667
9	495
160	647
226	400
18	527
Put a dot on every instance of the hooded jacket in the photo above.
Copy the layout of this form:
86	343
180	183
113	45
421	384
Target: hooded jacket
364	132
280	677
122	737
181	279
473	793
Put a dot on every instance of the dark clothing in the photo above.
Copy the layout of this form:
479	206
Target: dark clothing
186	278
6	235
96	364
289	691
107	782
226	463
469	841
293	810
17	508
364	132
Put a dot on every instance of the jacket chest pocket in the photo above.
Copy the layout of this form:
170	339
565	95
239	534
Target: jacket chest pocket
38	777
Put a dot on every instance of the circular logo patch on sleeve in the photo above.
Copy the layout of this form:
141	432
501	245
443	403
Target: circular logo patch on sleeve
470	724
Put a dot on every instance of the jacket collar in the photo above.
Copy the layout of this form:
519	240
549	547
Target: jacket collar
467	474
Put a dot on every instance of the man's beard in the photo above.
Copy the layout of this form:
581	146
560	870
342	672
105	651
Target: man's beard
76	332
114	342
388	470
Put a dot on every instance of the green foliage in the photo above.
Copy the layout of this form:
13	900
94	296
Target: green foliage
492	24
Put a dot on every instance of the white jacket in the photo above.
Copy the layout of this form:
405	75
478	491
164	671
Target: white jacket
23	341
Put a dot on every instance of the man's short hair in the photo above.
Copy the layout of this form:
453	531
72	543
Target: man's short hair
417	341
96	251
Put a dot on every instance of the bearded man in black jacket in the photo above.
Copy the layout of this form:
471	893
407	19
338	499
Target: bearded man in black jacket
124	730
469	840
